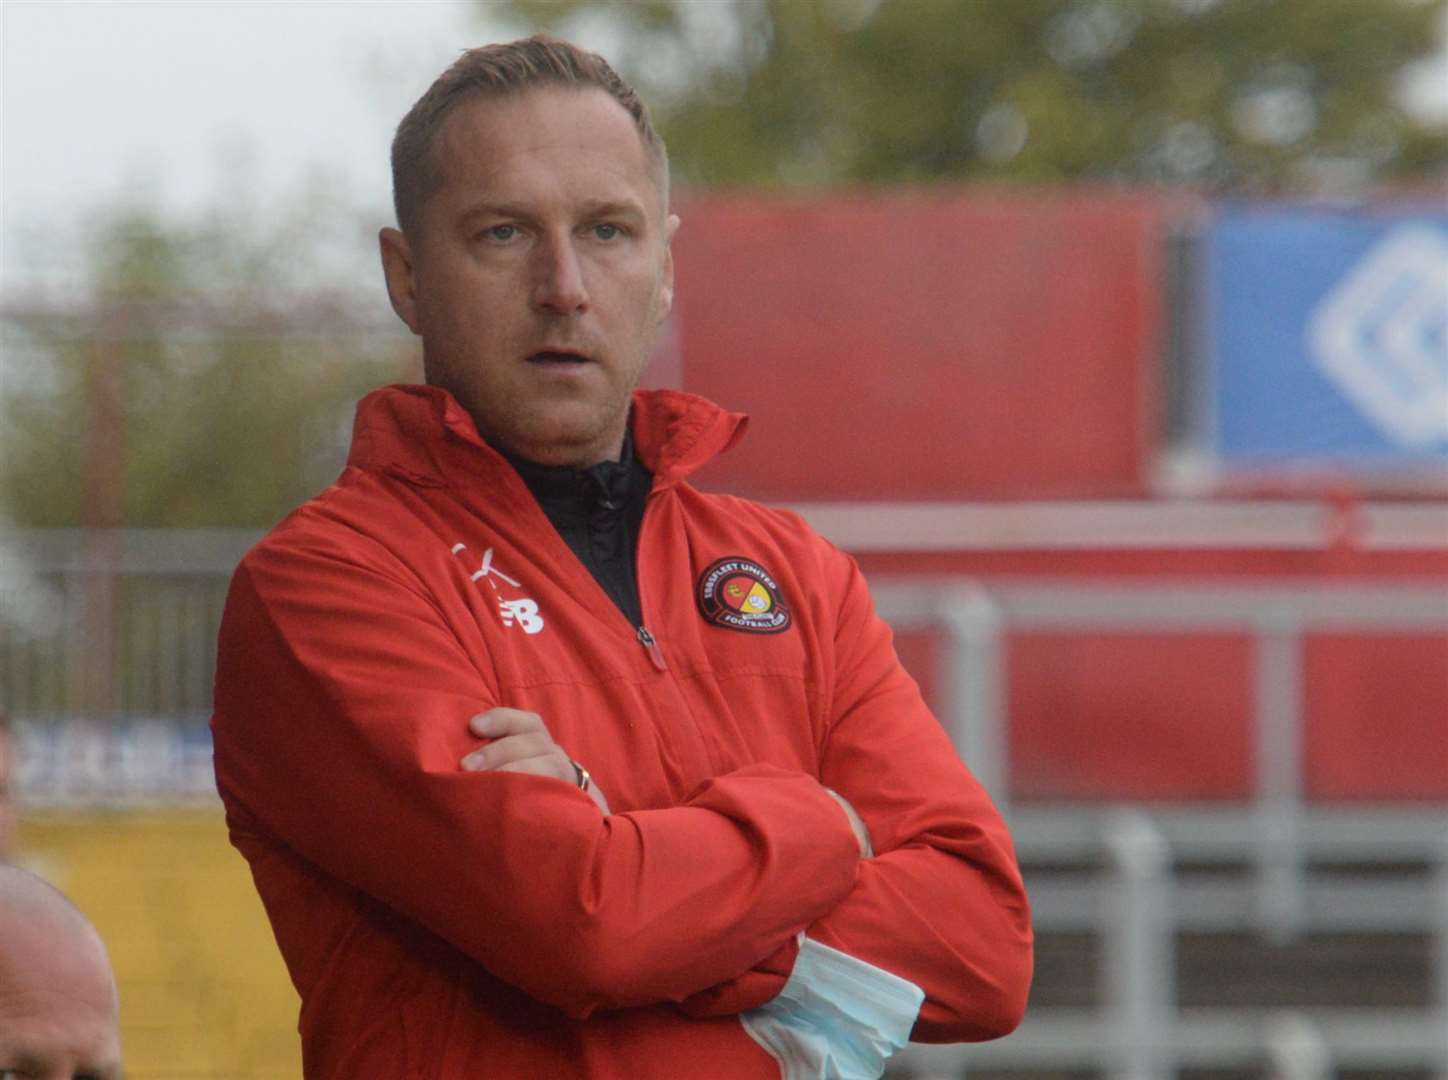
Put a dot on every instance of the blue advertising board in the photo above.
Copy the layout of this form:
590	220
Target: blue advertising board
1327	339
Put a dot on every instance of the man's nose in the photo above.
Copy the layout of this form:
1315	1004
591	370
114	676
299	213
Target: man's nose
558	278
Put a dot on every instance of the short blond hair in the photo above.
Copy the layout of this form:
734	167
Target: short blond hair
495	71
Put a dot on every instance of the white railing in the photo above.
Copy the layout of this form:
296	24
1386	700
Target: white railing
1279	826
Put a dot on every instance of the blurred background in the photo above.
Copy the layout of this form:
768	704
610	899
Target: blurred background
1110	336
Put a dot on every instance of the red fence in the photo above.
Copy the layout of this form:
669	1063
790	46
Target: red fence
927	346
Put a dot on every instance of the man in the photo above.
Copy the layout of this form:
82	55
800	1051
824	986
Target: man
547	764
59	1013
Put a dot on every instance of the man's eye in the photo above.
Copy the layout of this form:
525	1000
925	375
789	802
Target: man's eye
500	233
605	231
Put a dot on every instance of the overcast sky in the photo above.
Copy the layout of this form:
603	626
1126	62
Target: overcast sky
177	100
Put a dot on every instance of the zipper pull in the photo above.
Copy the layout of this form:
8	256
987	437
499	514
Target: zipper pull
656	654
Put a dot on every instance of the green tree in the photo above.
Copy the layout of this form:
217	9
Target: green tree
203	375
1225	95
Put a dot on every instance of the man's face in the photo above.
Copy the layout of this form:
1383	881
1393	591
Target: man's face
540	271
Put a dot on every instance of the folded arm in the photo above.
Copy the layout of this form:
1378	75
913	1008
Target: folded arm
341	721
941	904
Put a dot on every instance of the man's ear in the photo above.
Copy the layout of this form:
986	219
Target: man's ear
666	287
401	281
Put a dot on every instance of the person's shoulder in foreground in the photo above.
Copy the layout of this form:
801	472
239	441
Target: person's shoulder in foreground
546	763
59	1015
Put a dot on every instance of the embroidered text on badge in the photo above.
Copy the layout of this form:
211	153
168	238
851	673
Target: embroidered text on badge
739	594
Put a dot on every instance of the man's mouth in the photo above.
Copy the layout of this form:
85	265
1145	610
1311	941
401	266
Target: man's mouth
549	356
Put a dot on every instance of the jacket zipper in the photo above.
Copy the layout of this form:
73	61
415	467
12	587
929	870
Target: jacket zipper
645	637
656	653
651	645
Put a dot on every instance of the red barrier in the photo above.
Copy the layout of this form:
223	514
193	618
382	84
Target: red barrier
929	345
1377	709
1129	716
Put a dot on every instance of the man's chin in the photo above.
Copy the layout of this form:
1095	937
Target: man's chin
568	437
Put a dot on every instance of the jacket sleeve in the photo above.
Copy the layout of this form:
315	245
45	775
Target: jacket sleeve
342	701
941	904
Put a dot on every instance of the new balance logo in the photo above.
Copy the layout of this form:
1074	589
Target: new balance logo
525	611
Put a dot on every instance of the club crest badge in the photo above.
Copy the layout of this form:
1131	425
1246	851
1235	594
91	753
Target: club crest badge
737	593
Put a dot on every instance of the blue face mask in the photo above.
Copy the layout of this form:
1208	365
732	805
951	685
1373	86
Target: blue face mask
837	1018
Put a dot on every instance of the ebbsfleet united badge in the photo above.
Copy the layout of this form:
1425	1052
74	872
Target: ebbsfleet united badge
739	594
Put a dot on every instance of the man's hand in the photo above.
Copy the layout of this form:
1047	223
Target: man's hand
521	743
862	834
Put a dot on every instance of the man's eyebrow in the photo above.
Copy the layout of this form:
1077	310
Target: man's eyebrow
495	209
591	208
613	208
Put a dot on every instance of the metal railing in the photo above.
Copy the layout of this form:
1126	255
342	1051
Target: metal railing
1138	1031
1281	828
112	624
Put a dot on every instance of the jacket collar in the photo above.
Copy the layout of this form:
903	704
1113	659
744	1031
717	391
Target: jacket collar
422	434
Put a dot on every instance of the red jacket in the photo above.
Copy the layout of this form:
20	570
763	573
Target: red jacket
442	923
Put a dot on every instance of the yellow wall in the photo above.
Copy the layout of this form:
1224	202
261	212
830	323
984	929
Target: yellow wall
204	993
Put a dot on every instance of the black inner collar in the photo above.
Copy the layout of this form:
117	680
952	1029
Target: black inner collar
597	511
